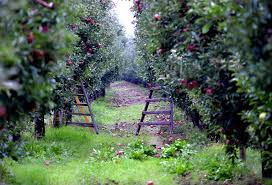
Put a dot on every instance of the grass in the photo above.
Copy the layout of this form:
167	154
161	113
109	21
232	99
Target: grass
213	155
73	162
107	114
66	156
80	172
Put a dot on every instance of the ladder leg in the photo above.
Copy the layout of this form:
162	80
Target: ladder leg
89	107
143	115
138	130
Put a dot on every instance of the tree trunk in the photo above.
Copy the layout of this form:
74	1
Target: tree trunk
57	120
243	152
103	92
39	126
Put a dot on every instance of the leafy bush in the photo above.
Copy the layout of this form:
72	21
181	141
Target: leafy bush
139	151
177	149
220	169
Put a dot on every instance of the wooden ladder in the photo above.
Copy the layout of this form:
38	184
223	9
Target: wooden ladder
81	104
145	112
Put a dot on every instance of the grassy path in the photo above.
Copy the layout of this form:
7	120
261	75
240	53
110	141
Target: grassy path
72	155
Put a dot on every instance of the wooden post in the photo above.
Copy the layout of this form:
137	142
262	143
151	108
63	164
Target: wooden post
171	126
68	115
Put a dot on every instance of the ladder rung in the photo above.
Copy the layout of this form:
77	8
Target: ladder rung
155	123
80	104
157	99
80	114
155	88
80	124
157	112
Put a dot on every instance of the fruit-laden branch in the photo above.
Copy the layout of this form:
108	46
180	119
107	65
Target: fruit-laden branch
46	4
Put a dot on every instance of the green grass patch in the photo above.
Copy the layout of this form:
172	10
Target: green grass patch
107	114
72	155
212	164
71	142
124	172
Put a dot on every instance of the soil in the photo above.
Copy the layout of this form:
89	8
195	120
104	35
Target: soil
126	94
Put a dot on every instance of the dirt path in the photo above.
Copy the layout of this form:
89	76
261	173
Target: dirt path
126	94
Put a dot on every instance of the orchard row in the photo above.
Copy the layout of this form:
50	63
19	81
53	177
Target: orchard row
46	49
214	57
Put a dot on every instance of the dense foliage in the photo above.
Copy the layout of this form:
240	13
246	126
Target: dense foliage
214	58
33	45
46	48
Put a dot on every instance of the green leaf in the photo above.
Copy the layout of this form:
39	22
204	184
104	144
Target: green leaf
206	28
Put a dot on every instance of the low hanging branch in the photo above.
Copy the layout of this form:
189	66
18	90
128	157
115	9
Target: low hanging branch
46	4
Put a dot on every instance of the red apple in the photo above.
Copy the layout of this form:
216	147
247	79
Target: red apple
90	51
184	82
30	38
38	54
193	84
140	7
149	183
69	62
209	91
90	21
3	111
157	17
186	29
170	139
120	153
44	28
191	47
137	2
228	142
161	51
